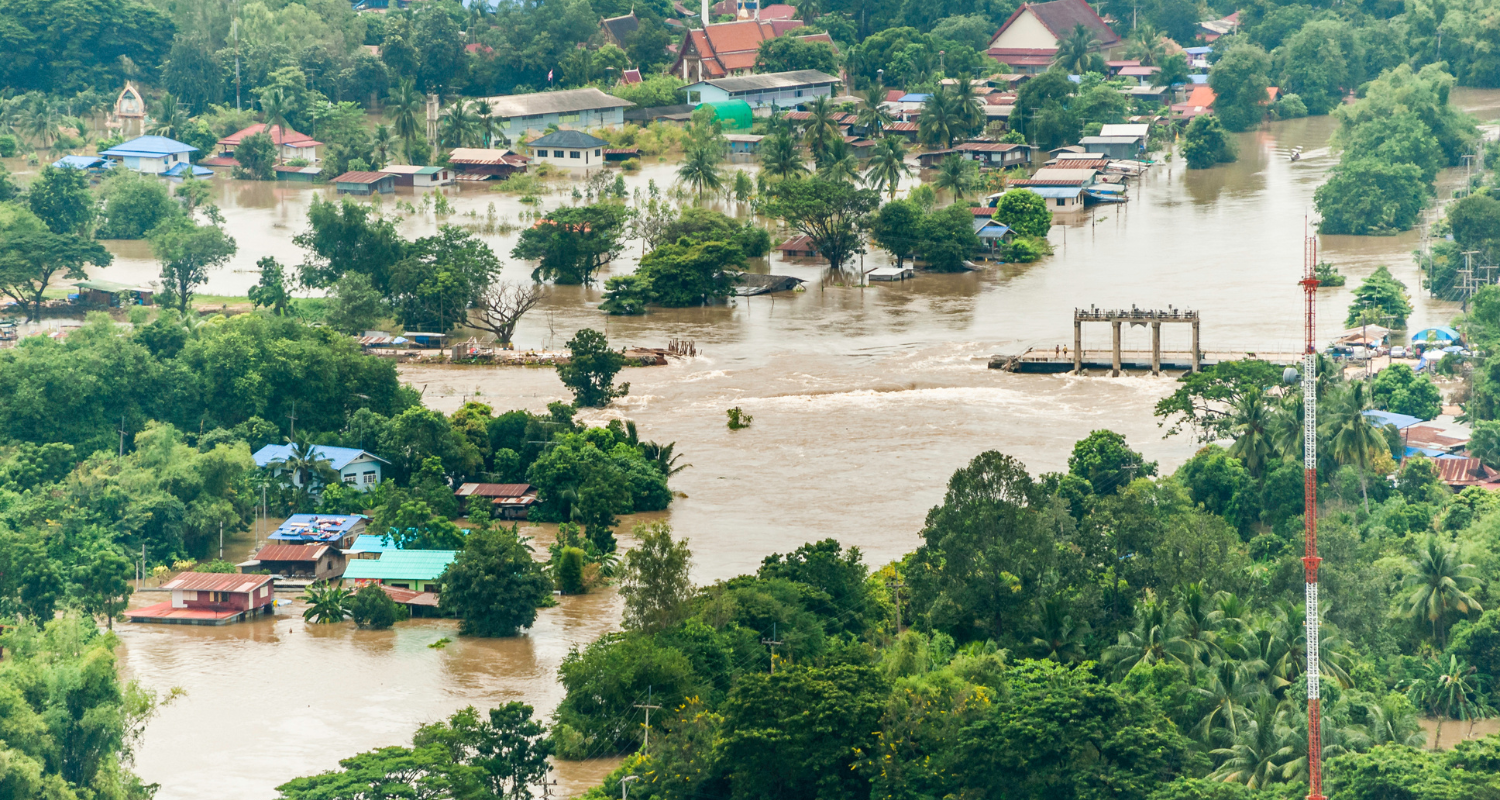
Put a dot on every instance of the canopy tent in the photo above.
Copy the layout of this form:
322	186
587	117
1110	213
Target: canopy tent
1443	334
734	115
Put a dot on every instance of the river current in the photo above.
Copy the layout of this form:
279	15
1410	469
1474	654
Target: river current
864	401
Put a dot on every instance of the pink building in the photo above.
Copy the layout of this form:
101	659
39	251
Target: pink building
210	598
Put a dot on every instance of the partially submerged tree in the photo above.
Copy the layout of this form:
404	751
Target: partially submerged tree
501	307
829	213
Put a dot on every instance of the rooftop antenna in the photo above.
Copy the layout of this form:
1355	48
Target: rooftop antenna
1310	514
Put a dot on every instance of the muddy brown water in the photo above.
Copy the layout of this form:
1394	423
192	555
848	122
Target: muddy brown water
864	401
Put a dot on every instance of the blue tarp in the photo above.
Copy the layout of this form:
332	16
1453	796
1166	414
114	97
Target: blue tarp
1422	451
1384	418
1442	333
1197	51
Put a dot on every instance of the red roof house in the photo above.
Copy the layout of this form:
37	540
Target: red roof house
1028	41
210	598
730	48
289	143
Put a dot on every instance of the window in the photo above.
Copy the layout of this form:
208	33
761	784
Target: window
187	595
555	153
799	93
370	476
574	154
596	152
1062	201
568	118
264	590
350	478
694	97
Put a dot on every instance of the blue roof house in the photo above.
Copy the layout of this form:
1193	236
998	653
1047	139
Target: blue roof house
357	468
89	164
151	155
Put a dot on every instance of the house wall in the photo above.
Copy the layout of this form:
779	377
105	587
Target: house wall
576	120
288	152
571	158
784	97
362	474
1026	31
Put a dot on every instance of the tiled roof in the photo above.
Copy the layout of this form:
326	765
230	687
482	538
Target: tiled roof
278	136
1062	16
621	27
216	582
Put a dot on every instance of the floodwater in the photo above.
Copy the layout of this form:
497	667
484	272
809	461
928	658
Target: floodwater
864	399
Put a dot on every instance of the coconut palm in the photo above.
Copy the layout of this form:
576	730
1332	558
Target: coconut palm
967	106
1058	637
1147	46
304	467
838	163
1284	428
488	125
326	604
1393	720
780	158
39	124
1353	438
662	457
1250	420
461	126
1258	752
872	115
700	170
822	128
1446	689
1150	641
1076	52
275	105
941	120
1439	585
404	106
1230	691
382	145
958	175
887	165
169	118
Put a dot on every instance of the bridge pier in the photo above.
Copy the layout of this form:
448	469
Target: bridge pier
1156	348
1115	360
1077	346
1197	353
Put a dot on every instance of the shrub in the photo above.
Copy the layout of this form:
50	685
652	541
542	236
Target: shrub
631	164
372	608
570	571
8	146
738	418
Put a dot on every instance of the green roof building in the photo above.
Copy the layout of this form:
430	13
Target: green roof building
417	570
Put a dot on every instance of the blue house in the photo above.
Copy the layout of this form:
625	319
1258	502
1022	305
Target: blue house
336	530
357	468
151	155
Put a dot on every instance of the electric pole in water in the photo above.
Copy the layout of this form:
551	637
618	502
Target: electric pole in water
772	643
1310	519
646	744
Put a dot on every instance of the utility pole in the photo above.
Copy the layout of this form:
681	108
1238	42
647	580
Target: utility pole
1310	518
772	643
221	541
897	586
122	435
293	417
547	788
646	744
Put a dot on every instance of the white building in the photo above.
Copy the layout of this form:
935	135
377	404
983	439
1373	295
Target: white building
418	177
568	149
781	89
151	155
357	468
581	109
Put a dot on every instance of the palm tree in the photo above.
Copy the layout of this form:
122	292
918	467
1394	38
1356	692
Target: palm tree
940	121
1058	637
1392	720
888	165
404	105
1353	438
40	124
838	163
1076	51
1446	690
872	115
967	106
274	107
1230	691
382	145
1285	427
700	170
170	118
1151	641
1439	586
662	457
780	158
1251	424
956	174
304	467
1257	753
461	126
1146	46
488	125
326	604
822	129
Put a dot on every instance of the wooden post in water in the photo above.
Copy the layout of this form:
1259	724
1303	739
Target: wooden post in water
1116	359
1156	348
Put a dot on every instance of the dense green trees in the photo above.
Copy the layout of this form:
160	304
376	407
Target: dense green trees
571	244
1239	80
494	587
1206	144
827	212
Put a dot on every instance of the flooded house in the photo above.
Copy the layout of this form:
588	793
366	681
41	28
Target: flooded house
384	564
512	500
358	469
335	530
210	598
318	562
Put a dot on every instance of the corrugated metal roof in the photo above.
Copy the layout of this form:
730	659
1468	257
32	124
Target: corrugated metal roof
493	489
410	598
1460	471
216	582
479	155
149	146
362	177
528	105
774	80
416	565
291	552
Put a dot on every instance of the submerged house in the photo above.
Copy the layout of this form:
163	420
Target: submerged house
413	570
152	155
482	164
319	562
365	183
514	500
210	598
335	530
568	149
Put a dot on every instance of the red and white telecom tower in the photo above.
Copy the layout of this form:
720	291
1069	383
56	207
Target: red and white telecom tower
1310	518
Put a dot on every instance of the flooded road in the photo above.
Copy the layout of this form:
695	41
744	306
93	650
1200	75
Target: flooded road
864	399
